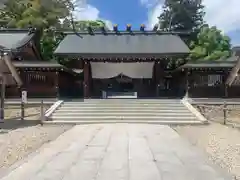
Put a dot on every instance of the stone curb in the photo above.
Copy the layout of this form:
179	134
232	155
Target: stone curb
194	110
52	109
127	122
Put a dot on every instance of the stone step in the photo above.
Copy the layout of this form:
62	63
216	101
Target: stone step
120	114
132	100
138	118
126	102
137	108
122	110
124	105
146	121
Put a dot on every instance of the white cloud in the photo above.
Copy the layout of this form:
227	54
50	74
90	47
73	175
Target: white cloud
84	11
149	3
221	13
109	24
154	8
153	15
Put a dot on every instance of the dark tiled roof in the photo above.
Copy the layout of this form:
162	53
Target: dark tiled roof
236	50
230	59
36	64
208	65
123	44
14	39
221	63
44	64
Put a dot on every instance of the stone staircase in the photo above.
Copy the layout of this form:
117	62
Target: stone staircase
160	111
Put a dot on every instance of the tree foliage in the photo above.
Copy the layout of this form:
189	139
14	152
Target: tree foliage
25	13
211	44
45	15
207	43
181	15
95	25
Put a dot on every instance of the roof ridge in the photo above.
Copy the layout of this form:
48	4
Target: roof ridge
124	32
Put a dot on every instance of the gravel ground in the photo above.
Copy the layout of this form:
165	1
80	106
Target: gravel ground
222	144
15	144
18	139
31	111
215	113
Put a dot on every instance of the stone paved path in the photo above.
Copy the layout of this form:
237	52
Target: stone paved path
118	152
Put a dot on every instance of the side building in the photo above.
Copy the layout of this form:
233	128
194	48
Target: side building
41	78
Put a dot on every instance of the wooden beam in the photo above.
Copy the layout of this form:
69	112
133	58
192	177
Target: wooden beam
12	69
233	73
36	52
3	87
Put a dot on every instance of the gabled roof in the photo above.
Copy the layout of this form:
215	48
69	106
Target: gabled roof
122	44
43	65
236	50
13	39
233	73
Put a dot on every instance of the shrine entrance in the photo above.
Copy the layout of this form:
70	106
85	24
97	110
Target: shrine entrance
121	83
120	86
120	79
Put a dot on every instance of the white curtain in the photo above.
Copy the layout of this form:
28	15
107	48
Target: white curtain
134	70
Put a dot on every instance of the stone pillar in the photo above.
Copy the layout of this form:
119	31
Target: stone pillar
86	82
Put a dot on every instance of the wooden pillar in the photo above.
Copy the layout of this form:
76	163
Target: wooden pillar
187	83
2	97
158	76
225	85
57	84
86	82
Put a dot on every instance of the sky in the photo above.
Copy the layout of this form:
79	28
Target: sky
224	14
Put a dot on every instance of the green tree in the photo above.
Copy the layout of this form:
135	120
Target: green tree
11	12
44	15
35	13
182	15
211	44
41	14
185	16
95	25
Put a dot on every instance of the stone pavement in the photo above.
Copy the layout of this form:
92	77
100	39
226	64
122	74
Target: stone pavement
118	152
